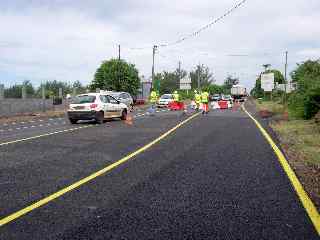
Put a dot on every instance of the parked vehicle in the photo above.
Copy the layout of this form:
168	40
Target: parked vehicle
215	97
123	97
239	92
96	106
164	100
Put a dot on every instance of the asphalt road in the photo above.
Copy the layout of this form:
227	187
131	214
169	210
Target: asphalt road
215	177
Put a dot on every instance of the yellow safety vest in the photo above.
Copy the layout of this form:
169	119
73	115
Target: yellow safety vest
176	97
153	97
197	98
204	97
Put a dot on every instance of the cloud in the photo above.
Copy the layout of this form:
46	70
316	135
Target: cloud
67	40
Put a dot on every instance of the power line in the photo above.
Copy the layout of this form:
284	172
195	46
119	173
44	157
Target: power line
196	33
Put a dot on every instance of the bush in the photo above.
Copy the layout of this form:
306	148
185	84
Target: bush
296	105
304	105
312	103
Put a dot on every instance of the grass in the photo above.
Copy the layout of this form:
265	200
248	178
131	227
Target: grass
273	107
302	138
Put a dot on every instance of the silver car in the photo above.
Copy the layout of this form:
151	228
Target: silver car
123	97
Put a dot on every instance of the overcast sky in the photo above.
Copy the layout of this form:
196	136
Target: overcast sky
67	40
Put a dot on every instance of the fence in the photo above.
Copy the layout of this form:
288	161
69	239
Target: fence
26	105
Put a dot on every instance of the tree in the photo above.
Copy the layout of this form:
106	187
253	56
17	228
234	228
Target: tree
203	72
117	75
169	82
15	91
229	82
305	101
52	88
307	75
79	88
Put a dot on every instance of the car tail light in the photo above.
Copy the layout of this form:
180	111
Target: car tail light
94	105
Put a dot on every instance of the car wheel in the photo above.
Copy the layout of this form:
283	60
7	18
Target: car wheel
124	114
99	117
73	121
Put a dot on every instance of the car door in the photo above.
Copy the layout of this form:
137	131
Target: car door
107	108
123	98
115	108
129	99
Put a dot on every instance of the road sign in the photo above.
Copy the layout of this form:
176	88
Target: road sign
267	82
185	83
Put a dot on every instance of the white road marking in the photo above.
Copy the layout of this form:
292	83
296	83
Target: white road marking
22	122
25	127
18	128
33	126
48	124
40	125
40	120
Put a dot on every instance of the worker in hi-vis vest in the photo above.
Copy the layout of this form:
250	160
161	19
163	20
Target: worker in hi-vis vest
153	98
205	102
197	99
176	96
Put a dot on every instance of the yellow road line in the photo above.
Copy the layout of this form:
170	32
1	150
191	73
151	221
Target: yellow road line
303	196
75	185
44	135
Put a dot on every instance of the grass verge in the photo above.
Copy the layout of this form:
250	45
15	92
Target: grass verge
300	140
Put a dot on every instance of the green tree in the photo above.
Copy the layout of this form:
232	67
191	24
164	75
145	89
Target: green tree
214	89
79	87
203	72
169	82
229	82
117	75
15	91
52	88
305	101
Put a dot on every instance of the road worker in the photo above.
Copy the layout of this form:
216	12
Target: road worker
153	100
197	99
176	96
205	102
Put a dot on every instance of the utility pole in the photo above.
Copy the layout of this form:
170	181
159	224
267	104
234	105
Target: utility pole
153	53
119	64
199	77
119	50
285	78
179	71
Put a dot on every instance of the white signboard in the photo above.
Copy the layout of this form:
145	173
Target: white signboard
185	86
185	83
267	82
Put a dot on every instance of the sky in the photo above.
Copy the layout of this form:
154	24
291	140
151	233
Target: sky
67	40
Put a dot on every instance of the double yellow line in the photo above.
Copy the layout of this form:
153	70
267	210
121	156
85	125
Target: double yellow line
75	185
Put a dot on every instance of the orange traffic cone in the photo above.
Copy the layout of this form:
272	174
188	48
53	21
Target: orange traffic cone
129	120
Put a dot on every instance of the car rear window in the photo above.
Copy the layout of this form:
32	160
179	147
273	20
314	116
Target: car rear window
83	99
166	96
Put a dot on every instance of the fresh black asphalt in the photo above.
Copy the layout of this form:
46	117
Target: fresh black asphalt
213	178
